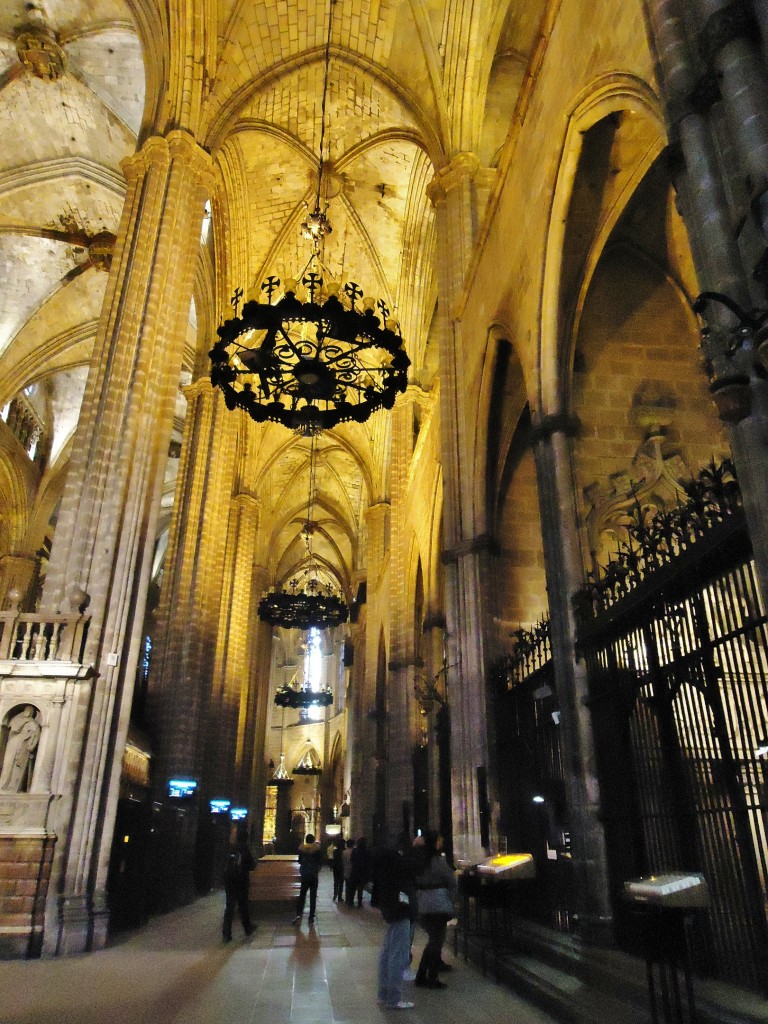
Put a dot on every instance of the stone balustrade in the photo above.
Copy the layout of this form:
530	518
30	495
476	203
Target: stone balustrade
29	636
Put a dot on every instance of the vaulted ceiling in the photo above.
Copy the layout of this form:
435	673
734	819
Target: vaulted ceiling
411	83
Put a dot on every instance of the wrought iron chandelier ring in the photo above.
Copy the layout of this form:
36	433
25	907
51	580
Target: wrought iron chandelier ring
310	364
303	610
287	696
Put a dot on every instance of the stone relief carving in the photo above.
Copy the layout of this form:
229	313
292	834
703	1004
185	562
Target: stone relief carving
654	481
23	738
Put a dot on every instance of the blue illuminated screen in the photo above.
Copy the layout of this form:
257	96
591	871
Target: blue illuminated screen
179	788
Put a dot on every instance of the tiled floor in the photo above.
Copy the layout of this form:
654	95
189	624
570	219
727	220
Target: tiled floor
177	970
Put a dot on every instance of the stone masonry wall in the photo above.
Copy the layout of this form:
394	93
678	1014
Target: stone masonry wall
25	869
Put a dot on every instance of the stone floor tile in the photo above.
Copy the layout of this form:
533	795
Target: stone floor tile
176	970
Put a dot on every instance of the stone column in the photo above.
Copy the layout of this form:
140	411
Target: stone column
254	712
740	392
564	570
400	682
729	42
469	570
233	671
357	726
454	195
106	528
370	769
185	694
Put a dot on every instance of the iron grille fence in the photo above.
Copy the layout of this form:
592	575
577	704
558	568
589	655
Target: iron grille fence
678	681
531	780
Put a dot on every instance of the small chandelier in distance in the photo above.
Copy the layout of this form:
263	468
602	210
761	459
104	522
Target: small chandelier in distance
288	696
307	603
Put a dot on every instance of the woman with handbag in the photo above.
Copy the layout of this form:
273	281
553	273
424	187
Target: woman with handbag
436	887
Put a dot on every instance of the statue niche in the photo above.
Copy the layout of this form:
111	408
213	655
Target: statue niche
22	736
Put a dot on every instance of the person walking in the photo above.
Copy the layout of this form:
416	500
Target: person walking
346	859
361	872
237	872
337	866
310	862
394	882
436	886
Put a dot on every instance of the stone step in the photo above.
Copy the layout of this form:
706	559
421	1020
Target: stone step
582	984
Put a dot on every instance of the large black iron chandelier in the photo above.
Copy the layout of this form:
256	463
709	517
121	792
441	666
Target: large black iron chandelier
314	604
307	602
313	352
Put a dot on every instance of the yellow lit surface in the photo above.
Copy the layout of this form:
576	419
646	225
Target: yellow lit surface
508	860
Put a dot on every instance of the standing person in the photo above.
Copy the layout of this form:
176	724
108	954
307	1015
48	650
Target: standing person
393	878
237	871
310	862
337	866
346	859
361	871
436	885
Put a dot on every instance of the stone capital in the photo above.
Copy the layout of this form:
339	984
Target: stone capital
463	167
472	546
415	393
735	20
162	150
434	620
556	423
245	502
377	509
198	388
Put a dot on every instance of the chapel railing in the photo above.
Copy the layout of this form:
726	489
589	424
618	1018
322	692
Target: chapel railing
663	543
673	633
29	636
531	651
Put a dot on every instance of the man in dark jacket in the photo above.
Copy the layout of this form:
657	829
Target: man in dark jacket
310	862
360	872
396	897
237	872
337	866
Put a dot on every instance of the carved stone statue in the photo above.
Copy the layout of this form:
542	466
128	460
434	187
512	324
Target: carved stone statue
23	738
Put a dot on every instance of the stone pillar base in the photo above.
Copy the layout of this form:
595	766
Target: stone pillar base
75	924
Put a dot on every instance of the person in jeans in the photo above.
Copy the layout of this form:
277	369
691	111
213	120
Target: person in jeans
310	861
396	897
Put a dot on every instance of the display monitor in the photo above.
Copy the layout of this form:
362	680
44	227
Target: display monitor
181	789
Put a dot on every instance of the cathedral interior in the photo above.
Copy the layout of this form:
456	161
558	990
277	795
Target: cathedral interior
535	523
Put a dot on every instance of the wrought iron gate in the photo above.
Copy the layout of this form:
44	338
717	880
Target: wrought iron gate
677	659
530	776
